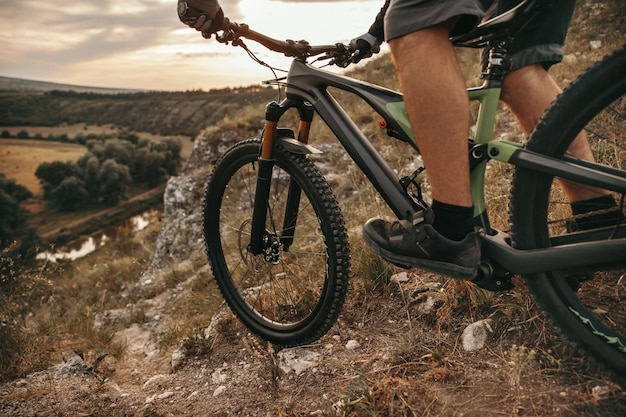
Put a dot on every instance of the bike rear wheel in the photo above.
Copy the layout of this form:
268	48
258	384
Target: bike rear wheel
588	306
291	294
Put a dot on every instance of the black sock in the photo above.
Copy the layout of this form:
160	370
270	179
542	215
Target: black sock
595	220
453	222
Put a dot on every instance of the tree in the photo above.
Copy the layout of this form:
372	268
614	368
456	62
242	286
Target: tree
148	167
22	134
172	159
107	167
12	216
96	147
119	150
89	166
9	215
113	179
71	194
14	189
129	137
51	174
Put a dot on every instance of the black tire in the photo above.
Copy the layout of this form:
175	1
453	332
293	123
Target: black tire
588	306
296	298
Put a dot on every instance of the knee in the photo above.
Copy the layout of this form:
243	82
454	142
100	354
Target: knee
516	83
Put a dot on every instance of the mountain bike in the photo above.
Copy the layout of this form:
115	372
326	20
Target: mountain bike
276	237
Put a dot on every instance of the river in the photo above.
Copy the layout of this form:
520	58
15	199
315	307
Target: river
87	244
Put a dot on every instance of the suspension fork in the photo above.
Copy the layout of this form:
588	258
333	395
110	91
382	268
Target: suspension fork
306	112
264	179
273	112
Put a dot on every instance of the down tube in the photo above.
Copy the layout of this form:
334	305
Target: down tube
488	99
364	155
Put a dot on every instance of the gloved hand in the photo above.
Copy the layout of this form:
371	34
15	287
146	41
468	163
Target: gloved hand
365	46
205	16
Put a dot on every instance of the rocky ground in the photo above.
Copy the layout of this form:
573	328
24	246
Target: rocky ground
415	346
418	345
388	359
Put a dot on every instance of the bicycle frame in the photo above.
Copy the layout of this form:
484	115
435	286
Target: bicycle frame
307	84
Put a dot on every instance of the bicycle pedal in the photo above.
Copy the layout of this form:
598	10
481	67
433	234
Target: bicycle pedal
495	283
491	280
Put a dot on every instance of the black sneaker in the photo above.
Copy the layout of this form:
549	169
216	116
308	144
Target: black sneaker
419	245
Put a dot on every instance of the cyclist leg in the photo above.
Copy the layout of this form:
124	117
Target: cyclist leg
441	240
528	90
418	33
436	101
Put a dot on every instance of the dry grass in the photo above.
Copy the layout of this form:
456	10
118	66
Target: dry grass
425	372
52	311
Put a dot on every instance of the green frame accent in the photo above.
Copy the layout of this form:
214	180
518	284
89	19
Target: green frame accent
503	150
488	99
398	112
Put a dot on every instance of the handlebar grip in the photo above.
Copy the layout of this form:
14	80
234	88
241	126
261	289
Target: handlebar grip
186	13
227	25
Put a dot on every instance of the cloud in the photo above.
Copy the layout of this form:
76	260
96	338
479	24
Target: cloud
135	43
90	28
203	54
45	39
74	31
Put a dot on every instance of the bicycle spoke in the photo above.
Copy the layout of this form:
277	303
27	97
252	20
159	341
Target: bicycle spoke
280	294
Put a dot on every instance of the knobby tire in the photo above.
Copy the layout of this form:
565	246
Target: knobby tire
296	297
588	306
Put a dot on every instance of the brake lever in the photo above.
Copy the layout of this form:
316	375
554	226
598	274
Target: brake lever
324	57
227	36
341	58
342	61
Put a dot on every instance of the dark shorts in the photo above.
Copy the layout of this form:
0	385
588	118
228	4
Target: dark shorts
541	45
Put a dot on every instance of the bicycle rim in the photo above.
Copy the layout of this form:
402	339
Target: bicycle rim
293	295
589	306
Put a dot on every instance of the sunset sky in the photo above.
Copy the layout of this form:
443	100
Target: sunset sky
142	44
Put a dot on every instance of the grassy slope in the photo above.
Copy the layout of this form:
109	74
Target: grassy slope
424	373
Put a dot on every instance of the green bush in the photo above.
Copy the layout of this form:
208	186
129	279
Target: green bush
109	166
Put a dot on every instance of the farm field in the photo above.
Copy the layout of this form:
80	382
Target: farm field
19	158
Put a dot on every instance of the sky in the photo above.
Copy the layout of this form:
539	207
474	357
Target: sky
141	44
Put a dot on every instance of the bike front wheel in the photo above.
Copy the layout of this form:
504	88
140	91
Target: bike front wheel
292	293
588	306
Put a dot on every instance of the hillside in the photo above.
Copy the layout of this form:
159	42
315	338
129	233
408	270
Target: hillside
139	329
20	85
162	113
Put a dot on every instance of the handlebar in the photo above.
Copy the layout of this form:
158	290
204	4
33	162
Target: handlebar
339	54
298	49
